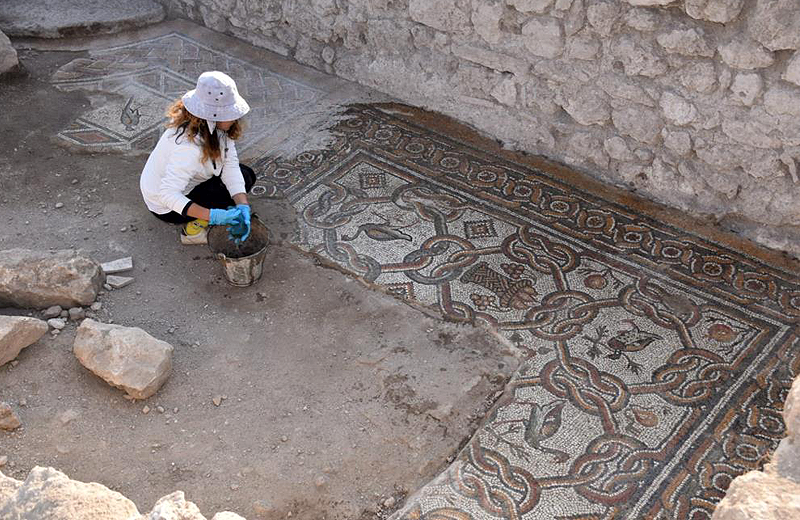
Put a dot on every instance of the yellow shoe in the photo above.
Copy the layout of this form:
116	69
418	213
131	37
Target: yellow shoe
195	232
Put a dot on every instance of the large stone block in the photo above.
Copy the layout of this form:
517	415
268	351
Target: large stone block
759	496
16	333
40	279
48	493
125	357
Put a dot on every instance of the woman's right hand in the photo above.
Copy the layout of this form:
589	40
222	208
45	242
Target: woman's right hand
222	217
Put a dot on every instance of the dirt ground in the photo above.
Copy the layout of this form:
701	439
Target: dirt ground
335	400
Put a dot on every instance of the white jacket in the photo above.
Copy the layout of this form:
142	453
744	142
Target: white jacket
174	169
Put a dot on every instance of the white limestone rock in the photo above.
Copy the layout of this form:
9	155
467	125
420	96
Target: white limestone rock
761	496
650	3
782	100
117	266
583	46
791	412
618	149
676	109
531	6
16	333
638	58
750	132
644	20
544	37
698	76
582	145
602	16
125	357
746	55
505	92
227	515
48	493
443	15
746	87
383	36
40	279
490	59
8	488
8	54
679	142
640	123
719	11
688	42
486	21
792	72
775	24
176	506
588	106
619	87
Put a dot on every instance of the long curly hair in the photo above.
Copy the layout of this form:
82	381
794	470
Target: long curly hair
186	123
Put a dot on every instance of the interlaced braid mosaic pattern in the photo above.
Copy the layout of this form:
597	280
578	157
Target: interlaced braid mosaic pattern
656	362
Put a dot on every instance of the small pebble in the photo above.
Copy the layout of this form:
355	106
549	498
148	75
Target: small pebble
52	312
146	410
57	323
15	363
320	481
389	502
59	205
160	409
23	402
175	410
106	287
76	313
284	438
234	487
74	181
123	229
96	306
64	313
217	400
3	460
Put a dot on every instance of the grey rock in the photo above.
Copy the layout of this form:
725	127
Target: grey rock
588	106
486	21
8	55
76	313
125	357
57	323
676	109
16	333
41	279
8	420
782	100
37	18
638	58
52	312
792	72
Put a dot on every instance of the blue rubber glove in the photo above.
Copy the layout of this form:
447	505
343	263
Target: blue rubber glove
221	217
245	208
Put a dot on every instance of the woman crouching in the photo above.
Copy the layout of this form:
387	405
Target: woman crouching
193	176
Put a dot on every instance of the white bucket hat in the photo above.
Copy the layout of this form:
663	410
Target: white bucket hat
215	99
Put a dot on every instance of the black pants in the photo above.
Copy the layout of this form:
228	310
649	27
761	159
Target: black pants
211	194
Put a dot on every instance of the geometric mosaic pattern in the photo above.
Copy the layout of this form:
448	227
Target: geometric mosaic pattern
147	76
656	362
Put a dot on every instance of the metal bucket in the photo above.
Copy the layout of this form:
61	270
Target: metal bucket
242	264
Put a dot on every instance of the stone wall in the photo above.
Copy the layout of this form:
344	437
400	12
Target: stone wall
773	494
693	103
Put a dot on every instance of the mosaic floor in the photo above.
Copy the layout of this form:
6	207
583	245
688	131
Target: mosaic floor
147	76
656	362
